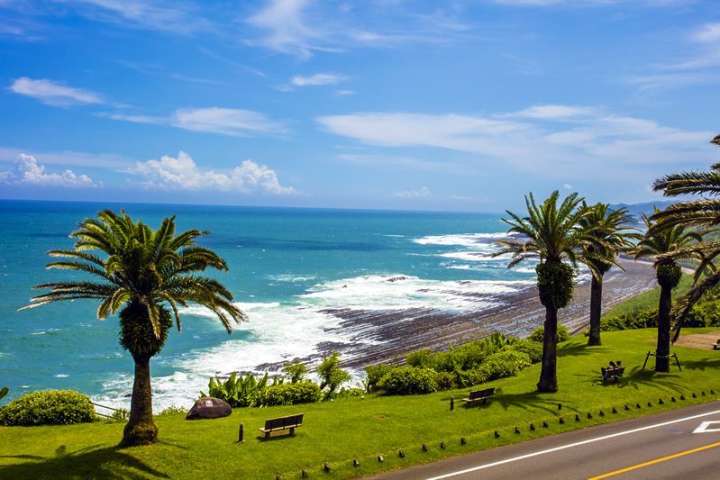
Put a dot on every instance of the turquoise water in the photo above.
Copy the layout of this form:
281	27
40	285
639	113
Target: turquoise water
286	267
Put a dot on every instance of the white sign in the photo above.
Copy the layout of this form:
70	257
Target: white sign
708	427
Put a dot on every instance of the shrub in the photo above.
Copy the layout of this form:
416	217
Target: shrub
375	373
331	375
502	364
296	371
291	394
637	318
563	334
533	350
352	392
237	390
48	407
445	380
408	381
421	358
173	410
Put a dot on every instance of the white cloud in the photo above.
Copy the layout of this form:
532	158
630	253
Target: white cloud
595	142
182	173
171	16
68	158
52	93
344	93
304	27
28	171
553	112
708	33
317	79
224	121
285	27
422	192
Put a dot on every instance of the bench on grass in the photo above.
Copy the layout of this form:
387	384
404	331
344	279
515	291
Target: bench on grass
479	396
290	423
613	372
716	345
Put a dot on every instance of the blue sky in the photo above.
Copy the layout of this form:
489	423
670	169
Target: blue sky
456	105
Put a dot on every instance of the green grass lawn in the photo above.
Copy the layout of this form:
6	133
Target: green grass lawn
648	299
337	432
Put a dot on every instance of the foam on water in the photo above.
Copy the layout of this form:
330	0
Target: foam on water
462	239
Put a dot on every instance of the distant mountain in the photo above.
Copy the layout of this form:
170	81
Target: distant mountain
637	209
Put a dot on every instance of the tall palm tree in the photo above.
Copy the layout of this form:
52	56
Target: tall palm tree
702	214
659	243
552	234
144	274
608	234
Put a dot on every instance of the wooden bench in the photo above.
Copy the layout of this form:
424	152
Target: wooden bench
716	345
479	396
290	422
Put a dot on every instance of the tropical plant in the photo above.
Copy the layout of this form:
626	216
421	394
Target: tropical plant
658	244
296	371
608	235
238	390
550	233
145	274
331	375
702	214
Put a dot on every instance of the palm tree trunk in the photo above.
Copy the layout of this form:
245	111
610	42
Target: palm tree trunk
140	429
596	288
662	352
548	374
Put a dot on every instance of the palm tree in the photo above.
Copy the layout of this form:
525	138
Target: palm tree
659	243
144	274
608	234
552	234
702	214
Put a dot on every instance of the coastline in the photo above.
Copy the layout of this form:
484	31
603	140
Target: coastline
386	336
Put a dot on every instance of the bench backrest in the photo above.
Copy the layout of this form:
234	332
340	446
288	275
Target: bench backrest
488	392
284	422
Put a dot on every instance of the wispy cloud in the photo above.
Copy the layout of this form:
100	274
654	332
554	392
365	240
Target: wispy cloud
317	79
594	141
305	27
54	93
225	121
422	192
182	173
28	171
67	158
180	17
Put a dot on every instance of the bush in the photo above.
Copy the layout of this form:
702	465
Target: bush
423	358
375	373
237	390
533	350
408	381
563	334
291	394
502	364
296	371
173	410
48	407
352	392
445	380
638	318
331	375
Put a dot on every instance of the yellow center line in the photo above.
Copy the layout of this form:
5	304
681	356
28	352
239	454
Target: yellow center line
656	461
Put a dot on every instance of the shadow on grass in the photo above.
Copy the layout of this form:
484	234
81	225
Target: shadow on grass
531	400
109	463
578	349
638	378
701	364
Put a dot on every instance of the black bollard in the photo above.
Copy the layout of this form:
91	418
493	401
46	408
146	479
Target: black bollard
241	433
452	403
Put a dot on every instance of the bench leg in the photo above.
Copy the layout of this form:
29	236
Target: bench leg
292	432
267	435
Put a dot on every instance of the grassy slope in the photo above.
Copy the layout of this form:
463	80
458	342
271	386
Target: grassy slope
339	431
649	299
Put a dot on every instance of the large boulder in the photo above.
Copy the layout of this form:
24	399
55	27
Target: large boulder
209	407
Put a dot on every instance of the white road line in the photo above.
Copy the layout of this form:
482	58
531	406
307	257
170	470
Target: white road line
570	445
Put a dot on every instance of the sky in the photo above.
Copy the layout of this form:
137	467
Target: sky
395	104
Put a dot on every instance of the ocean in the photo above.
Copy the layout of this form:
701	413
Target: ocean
289	268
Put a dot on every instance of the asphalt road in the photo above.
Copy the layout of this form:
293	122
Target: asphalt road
657	447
